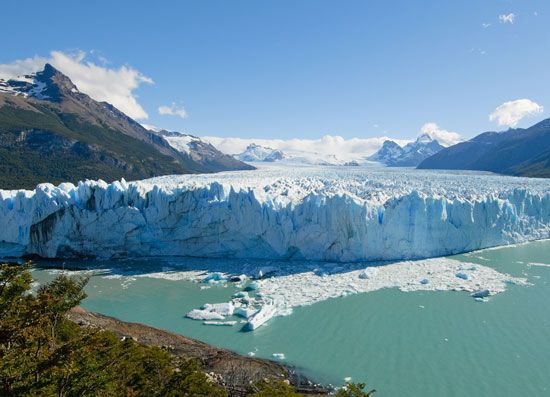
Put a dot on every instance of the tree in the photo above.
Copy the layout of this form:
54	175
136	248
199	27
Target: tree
44	354
354	390
273	388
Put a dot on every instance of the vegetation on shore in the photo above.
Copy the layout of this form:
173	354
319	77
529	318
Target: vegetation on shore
42	353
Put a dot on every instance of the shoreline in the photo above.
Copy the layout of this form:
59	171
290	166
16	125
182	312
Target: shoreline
229	369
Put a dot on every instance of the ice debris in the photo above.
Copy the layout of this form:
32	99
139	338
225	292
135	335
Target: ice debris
245	312
220	323
224	309
197	314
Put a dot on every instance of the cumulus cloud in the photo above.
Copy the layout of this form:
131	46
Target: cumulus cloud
328	145
510	113
444	137
173	110
507	18
114	85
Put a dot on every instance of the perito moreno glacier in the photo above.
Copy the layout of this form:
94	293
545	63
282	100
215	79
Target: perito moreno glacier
308	213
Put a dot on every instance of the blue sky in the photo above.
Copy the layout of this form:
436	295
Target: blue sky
287	69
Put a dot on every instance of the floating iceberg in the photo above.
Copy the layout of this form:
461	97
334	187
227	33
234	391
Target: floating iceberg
263	315
225	309
220	323
214	278
313	213
197	314
245	312
484	293
462	275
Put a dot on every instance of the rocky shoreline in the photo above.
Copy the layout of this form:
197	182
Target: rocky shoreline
230	370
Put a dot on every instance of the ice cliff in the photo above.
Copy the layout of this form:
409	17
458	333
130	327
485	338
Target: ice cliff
313	213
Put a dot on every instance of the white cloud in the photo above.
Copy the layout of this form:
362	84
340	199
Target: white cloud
113	85
344	149
485	25
444	137
510	113
173	110
507	18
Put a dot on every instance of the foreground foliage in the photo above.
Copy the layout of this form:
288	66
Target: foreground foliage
42	353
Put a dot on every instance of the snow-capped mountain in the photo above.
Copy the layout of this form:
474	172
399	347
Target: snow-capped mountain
201	153
410	155
256	152
51	131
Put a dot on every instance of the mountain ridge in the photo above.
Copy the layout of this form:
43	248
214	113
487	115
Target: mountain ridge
520	152
52	132
392	154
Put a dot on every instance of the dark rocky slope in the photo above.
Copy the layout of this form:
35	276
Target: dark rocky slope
521	152
52	132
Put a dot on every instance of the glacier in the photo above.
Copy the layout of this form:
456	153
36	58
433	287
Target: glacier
338	214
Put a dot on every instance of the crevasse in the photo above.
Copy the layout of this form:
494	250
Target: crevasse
349	216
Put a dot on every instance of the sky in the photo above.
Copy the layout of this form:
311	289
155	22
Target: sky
297	68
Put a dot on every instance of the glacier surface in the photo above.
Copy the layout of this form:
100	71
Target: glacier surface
276	212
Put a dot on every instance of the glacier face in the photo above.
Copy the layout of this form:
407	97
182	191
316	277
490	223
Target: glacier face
277	212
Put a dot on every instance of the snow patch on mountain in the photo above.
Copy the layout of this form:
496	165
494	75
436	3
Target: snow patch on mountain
181	142
26	86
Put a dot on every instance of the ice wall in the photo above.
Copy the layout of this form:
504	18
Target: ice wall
337	217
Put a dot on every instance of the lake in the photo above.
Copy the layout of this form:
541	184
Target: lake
423	343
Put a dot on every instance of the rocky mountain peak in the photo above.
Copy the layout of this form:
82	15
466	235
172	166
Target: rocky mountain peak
57	85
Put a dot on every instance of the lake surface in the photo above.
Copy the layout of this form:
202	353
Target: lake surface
401	343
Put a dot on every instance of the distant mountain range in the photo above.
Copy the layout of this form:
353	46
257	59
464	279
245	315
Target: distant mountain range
52	132
522	152
254	152
259	153
390	154
410	155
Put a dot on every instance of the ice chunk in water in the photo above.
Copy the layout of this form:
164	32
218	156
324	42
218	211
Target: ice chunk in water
245	312
197	314
481	294
214	277
225	309
462	275
220	323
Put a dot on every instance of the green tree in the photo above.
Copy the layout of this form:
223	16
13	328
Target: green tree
273	388
354	390
44	354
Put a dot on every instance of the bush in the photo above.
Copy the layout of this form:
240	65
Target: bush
44	354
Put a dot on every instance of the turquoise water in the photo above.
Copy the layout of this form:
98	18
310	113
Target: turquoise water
401	343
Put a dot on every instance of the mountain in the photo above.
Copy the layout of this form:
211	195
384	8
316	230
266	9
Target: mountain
201	156
52	132
521	152
410	155
255	152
